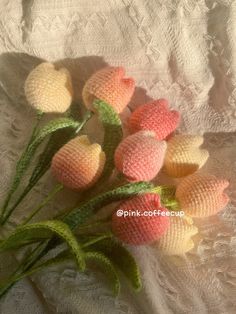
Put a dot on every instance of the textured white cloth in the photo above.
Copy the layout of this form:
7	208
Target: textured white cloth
182	50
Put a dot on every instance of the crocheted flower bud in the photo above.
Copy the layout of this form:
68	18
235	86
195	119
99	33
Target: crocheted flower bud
140	156
202	195
154	116
109	85
78	164
178	238
48	89
183	155
138	229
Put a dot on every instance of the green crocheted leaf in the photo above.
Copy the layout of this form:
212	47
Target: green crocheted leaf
78	215
49	263
45	229
120	257
112	133
103	262
52	127
24	162
107	267
56	141
88	240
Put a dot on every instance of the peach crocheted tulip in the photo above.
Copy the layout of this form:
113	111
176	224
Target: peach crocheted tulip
178	238
78	164
138	229
183	155
154	116
109	85
140	156
48	89
202	195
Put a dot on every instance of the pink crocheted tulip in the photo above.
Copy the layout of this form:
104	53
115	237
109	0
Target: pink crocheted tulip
140	156
109	85
78	164
202	195
138	229
154	116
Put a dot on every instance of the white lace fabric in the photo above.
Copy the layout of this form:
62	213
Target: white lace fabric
184	51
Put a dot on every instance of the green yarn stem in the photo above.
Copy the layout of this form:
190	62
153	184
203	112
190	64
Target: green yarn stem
93	225
81	213
15	185
167	195
50	196
39	116
5	286
75	218
171	204
97	239
63	134
113	134
86	117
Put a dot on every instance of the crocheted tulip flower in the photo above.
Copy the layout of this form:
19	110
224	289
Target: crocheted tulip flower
178	238
138	230
154	116
109	85
140	156
48	89
183	155
202	195
78	164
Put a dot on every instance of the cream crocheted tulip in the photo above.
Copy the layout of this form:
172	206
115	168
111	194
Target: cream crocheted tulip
202	195
183	155
48	89
78	164
178	238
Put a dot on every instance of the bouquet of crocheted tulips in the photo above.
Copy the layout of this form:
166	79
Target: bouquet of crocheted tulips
120	170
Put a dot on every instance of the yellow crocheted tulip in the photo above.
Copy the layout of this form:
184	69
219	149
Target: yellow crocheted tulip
183	156
48	89
78	164
178	238
202	195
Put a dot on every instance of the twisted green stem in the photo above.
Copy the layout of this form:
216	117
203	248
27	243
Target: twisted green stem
50	196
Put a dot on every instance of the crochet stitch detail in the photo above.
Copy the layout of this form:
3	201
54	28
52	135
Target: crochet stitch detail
183	155
140	156
154	116
178	238
202	195
48	89
141	229
109	85
78	164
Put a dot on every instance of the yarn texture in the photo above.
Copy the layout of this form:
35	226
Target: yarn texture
183	155
140	156
202	195
178	238
138	230
78	164
155	116
109	85
48	89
